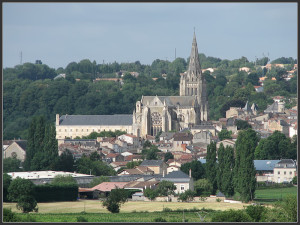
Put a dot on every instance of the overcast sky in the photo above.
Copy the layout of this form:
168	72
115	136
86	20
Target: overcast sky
60	33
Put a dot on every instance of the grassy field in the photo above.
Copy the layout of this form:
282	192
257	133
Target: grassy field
93	211
95	206
272	195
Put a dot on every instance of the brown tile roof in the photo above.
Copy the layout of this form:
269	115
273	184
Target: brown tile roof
108	186
85	189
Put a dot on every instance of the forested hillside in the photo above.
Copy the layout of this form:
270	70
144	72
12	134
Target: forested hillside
30	89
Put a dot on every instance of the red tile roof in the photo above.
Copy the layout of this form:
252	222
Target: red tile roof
108	186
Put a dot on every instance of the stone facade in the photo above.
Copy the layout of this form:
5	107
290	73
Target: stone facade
152	114
164	113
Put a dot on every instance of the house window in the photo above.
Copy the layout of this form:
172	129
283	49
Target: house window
59	130
290	173
87	129
70	129
182	187
278	172
284	173
65	130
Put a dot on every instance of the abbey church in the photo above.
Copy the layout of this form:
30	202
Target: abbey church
152	114
163	113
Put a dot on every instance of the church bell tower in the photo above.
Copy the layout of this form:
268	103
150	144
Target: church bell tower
192	83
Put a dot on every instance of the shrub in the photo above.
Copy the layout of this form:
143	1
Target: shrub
81	219
27	203
294	181
231	216
255	212
58	192
187	196
218	200
9	216
159	219
167	209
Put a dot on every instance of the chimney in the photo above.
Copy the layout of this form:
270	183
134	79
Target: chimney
190	173
57	120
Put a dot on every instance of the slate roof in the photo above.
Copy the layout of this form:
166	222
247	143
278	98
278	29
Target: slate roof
22	144
265	165
177	176
151	163
272	108
112	120
286	163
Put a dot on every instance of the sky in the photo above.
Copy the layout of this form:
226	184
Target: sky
61	33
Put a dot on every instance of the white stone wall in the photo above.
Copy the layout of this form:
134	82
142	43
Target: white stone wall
283	174
72	131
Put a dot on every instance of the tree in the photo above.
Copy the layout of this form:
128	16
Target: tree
66	162
276	146
203	187
242	124
244	171
197	169
98	168
63	179
147	144
98	180
115	199
187	196
19	187
227	186
6	183
168	156
289	206
211	165
133	164
22	191
225	134
150	193
11	165
157	136
27	203
165	188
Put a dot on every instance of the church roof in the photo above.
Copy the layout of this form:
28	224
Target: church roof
119	119
182	101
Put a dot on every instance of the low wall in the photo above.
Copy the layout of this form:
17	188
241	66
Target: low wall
175	199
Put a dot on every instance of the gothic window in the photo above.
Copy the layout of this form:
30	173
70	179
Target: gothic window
192	91
156	118
195	91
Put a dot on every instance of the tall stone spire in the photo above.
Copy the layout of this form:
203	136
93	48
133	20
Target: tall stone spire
194	65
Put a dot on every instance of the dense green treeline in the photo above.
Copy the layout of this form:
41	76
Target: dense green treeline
30	90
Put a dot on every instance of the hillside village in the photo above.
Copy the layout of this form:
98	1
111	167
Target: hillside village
160	137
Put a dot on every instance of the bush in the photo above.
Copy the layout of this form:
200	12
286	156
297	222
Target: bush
27	203
9	216
231	216
255	212
187	196
218	200
81	219
294	181
59	192
159	219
